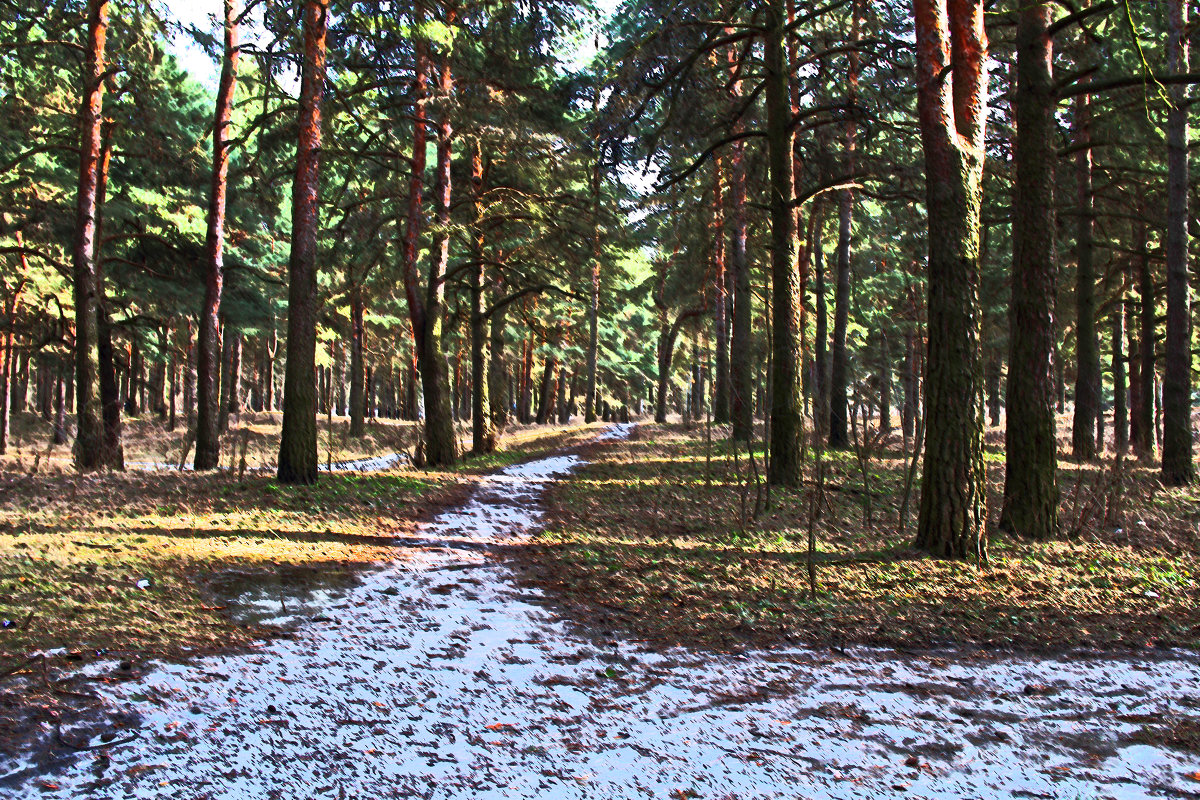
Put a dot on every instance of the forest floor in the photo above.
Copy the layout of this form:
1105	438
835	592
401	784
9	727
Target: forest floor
140	564
442	675
658	536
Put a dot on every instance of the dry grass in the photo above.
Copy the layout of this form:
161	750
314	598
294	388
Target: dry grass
644	540
74	547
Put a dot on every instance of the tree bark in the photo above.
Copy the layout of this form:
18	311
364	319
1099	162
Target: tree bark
1087	343
498	382
1145	443
720	307
209	349
298	440
357	366
951	104
483	430
1120	409
787	294
89	437
1031	448
1178	467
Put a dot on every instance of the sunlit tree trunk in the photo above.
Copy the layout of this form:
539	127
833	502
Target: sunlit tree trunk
1030	455
1178	468
298	441
89	436
951	103
208	446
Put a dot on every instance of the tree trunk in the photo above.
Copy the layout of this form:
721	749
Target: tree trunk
208	340
483	430
1120	410
992	381
821	356
908	417
89	437
113	456
593	319
298	440
839	377
1145	443
526	401
1135	374
1178	468
440	442
357	373
787	295
1031	448
953	481
498	384
720	303
546	398
1087	344
60	404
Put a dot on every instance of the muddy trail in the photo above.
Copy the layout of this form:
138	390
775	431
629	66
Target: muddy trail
438	676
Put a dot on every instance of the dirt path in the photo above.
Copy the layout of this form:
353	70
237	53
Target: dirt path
438	678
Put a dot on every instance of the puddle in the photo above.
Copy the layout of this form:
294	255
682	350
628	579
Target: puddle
286	597
436	678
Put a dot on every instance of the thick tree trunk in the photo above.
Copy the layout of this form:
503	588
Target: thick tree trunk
440	442
1087	342
1030	455
951	105
89	436
208	340
787	295
298	441
1178	467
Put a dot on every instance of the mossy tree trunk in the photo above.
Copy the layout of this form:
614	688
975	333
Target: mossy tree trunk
951	106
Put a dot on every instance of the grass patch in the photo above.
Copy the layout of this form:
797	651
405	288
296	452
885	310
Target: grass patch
650	537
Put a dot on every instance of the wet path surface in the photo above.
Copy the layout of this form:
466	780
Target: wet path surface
438	677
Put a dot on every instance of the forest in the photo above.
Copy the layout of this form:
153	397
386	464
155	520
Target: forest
598	398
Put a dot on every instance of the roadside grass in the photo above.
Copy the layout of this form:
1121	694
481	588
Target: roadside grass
125	563
650	537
